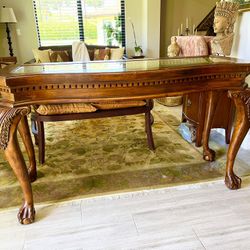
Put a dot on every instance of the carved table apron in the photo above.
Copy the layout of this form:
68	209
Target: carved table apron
23	86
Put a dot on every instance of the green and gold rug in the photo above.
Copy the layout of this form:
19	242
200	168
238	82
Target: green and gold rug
98	156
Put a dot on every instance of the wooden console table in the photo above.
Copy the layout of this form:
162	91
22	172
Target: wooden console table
23	86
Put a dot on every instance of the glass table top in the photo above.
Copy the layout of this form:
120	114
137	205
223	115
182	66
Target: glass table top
115	66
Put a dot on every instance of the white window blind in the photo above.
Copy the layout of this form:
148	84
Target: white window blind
60	22
57	21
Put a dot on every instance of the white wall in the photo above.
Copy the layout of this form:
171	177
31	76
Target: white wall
134	12
153	28
27	40
241	49
241	46
145	15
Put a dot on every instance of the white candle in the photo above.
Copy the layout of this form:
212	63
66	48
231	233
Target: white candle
181	28
187	22
178	32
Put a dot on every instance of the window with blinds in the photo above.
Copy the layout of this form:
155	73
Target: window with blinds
60	22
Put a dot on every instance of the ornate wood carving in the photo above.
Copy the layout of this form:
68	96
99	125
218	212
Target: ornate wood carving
5	90
7	116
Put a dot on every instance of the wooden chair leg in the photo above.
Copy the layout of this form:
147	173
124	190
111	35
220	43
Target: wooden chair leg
148	122
152	119
34	129
37	128
41	141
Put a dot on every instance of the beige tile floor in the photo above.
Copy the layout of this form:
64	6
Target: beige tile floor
196	216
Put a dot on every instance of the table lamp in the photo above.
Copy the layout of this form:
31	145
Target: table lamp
7	16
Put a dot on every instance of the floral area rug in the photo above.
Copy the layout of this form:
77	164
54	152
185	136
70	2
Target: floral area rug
93	157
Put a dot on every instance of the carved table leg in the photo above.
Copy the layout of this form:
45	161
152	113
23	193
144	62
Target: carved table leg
9	119
213	97
24	131
242	103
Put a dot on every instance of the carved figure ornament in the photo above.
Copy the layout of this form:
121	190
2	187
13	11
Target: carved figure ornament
173	48
224	19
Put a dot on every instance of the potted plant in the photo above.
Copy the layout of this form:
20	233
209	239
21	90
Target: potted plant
138	51
137	48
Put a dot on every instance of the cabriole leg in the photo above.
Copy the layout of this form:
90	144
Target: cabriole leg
9	119
242	125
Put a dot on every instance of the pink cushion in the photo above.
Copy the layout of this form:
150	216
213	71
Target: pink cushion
194	45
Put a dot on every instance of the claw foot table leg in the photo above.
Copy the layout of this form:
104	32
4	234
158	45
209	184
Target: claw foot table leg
242	125
212	101
9	119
